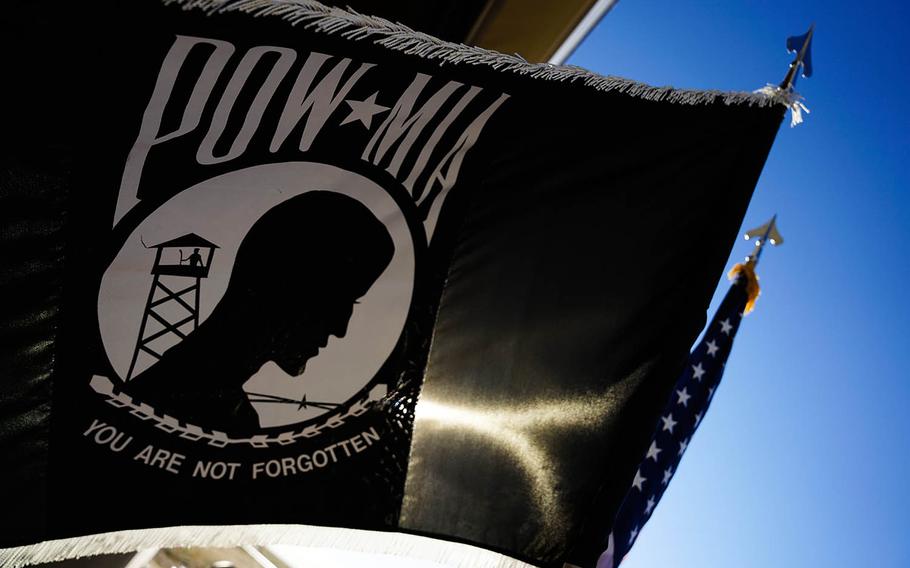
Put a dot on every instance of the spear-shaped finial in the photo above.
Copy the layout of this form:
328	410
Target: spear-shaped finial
766	233
784	93
802	46
746	270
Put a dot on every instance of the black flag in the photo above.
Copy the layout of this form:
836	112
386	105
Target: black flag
313	269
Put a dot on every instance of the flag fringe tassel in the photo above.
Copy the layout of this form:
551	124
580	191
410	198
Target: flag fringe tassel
398	37
400	545
789	98
753	290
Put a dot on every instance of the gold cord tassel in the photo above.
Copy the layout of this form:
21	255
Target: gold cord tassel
747	270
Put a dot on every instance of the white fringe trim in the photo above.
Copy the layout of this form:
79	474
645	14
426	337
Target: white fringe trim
790	98
401	38
445	553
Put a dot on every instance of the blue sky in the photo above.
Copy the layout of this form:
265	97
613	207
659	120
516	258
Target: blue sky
804	458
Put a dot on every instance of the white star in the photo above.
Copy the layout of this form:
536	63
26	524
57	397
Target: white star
653	451
711	392
364	111
726	327
639	480
668	473
698	372
632	535
697	419
684	396
650	506
712	348
669	423
682	447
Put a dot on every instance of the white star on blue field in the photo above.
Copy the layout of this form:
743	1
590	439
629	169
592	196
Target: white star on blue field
794	463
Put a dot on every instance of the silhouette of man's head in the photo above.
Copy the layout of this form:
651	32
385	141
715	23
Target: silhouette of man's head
298	273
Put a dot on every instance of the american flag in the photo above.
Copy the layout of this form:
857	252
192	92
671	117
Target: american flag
680	418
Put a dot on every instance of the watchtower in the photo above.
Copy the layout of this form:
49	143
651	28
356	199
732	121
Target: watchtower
167	303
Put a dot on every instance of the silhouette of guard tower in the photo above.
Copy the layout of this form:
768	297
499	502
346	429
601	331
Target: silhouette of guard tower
177	267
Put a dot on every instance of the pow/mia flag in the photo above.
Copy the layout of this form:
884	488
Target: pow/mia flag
265	276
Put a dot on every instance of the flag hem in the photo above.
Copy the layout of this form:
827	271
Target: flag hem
442	552
398	37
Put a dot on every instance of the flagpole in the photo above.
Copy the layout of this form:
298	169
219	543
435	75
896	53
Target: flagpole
687	405
790	79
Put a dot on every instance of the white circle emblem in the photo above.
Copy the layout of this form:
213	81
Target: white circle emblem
222	210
